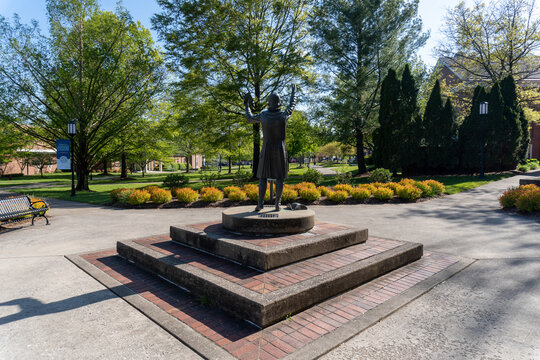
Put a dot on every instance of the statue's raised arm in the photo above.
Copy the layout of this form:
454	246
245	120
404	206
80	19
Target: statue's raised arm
292	101
250	117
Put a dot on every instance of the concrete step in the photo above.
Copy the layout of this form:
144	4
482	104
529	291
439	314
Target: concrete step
264	298
268	252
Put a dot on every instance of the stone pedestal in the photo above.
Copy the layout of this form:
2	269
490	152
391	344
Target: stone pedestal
265	266
245	220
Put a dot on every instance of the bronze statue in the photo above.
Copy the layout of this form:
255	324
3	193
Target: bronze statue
273	161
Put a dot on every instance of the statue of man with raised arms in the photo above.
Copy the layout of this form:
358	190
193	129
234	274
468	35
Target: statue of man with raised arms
273	161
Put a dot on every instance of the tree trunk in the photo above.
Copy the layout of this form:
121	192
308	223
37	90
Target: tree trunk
360	151
105	171
123	174
81	168
188	159
230	164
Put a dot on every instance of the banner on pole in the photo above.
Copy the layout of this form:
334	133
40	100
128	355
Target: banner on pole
63	161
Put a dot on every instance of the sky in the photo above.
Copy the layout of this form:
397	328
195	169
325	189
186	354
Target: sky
432	13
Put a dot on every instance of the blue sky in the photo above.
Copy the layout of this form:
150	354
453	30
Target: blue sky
432	13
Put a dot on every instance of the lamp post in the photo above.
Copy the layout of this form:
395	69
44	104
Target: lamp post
72	130
483	111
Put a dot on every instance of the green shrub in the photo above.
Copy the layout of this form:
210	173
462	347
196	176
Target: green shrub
289	194
533	164
123	196
115	194
303	185
343	176
392	185
409	192
250	187
227	190
138	197
242	177
383	194
309	193
150	188
343	187
437	187
186	195
211	194
360	193
209	179
236	195
523	167
529	200
312	176
324	190
160	196
427	191
509	197
338	196
381	175
175	181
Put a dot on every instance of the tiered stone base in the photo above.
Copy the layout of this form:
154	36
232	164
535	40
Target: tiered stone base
298	271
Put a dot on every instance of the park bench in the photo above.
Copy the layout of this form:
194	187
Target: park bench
18	208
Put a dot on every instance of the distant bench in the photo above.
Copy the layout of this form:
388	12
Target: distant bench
18	208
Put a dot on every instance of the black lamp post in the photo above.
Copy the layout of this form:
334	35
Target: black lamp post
483	111
72	130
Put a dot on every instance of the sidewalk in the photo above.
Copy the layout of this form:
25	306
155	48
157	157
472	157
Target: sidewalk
324	171
51	309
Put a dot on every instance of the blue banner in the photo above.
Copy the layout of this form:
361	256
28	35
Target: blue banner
63	161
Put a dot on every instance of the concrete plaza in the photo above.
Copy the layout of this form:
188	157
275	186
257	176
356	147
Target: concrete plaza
51	309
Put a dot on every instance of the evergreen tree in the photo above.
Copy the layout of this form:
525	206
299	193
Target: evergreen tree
432	134
470	134
386	145
517	139
448	151
496	131
510	147
410	127
525	136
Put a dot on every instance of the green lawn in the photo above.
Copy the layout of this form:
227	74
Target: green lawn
100	188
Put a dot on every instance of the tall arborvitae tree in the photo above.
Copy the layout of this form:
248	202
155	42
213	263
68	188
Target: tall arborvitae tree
448	150
470	134
410	126
518	137
433	133
525	136
496	131
387	149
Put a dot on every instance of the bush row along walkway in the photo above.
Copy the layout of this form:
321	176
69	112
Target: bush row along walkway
51	309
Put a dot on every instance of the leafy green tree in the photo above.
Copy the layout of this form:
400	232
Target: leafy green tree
496	39
356	42
98	68
227	49
301	137
11	140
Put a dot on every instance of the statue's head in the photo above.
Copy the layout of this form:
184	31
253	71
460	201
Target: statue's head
274	102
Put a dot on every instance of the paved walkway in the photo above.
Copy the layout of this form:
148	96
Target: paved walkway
51	309
323	170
